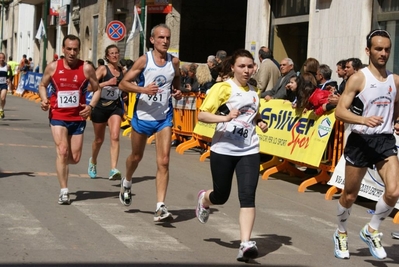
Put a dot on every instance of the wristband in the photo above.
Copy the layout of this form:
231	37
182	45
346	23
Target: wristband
91	107
260	120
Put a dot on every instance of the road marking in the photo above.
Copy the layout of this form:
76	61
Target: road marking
23	145
134	232
20	229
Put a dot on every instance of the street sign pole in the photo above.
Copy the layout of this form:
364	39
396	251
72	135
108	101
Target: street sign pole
142	18
45	16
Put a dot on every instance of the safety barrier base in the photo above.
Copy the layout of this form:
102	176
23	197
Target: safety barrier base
284	166
270	163
331	192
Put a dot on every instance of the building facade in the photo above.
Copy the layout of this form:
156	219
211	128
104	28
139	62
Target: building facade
324	29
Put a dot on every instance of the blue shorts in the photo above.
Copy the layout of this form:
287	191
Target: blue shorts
3	86
150	127
73	127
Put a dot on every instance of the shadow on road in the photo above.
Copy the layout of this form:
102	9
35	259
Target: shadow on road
266	244
8	174
85	195
178	215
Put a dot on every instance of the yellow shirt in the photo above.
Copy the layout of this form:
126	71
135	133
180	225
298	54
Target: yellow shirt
218	95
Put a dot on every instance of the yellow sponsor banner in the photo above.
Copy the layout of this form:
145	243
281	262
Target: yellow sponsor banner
298	137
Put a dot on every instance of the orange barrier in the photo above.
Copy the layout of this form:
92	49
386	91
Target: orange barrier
327	165
185	116
183	128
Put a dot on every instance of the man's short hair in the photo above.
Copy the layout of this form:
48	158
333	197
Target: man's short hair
356	63
289	61
342	63
325	71
221	54
72	38
265	52
377	32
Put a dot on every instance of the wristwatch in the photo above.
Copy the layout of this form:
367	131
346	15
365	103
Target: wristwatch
91	107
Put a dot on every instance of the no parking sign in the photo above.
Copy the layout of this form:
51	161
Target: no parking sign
116	30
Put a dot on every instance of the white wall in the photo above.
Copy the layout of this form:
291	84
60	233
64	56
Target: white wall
25	31
338	30
258	25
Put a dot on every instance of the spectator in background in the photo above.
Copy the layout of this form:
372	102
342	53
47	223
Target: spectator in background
311	65
211	62
25	67
183	75
191	83
14	66
129	64
204	78
279	90
341	74
100	62
324	78
352	66
22	62
31	64
220	56
268	73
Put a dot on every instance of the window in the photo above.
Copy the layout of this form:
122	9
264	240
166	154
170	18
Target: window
287	8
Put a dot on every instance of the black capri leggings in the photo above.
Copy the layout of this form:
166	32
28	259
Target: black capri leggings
247	172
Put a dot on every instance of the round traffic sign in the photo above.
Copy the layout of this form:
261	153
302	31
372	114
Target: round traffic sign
116	30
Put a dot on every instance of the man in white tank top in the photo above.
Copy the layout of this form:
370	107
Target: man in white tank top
159	80
370	104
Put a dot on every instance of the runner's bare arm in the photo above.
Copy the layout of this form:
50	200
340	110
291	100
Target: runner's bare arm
48	72
127	84
93	84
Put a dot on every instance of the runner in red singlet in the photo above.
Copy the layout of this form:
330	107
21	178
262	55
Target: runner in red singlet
69	78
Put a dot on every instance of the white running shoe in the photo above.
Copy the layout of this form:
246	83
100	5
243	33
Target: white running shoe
201	212
162	214
248	250
341	249
125	195
63	199
374	242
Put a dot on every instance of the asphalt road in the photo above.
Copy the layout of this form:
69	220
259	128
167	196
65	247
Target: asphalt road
292	229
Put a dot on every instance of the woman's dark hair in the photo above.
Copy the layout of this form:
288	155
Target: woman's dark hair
225	67
305	89
107	50
240	53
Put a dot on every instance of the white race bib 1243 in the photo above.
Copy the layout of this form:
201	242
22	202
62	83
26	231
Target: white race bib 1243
68	99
